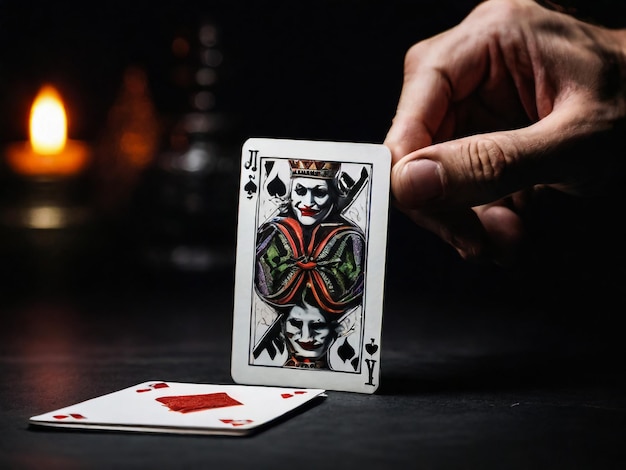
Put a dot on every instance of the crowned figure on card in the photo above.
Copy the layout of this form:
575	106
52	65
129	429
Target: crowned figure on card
310	264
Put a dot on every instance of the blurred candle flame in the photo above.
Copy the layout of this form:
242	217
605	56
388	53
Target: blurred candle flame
48	122
49	152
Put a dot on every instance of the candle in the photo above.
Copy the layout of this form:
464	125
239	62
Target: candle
48	153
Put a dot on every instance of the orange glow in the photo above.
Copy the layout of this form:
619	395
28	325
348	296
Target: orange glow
49	152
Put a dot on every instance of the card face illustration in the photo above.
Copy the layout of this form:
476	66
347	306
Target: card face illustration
311	250
181	408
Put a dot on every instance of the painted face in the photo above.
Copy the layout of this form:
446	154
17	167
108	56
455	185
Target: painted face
308	332
310	200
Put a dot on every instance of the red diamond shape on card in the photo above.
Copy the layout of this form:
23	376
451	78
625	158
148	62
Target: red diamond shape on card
207	401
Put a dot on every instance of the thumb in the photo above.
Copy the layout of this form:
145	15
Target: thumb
483	168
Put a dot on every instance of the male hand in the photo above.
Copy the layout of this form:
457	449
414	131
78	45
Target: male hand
515	99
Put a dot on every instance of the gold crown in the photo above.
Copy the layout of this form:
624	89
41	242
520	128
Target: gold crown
314	168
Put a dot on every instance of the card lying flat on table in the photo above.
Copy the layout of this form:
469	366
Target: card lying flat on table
181	408
311	250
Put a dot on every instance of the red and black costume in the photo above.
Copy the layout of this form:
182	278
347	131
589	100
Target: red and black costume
329	261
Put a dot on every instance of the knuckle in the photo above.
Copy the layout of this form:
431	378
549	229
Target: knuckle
501	11
489	161
472	253
415	54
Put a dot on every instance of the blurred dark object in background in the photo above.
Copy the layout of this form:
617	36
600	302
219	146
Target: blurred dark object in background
180	207
168	92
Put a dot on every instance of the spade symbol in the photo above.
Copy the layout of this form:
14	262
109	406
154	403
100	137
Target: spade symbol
371	348
346	351
276	187
250	188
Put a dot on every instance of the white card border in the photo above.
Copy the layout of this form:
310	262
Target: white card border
380	158
158	426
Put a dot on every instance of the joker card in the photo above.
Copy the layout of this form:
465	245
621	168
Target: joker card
311	249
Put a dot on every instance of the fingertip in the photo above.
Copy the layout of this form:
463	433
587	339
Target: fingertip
416	182
505	230
406	135
396	147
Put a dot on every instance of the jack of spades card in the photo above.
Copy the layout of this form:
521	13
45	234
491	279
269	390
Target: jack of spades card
312	226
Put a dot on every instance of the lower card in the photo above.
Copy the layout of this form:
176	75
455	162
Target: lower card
181	408
311	250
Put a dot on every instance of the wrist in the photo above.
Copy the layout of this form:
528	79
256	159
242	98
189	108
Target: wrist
619	36
618	39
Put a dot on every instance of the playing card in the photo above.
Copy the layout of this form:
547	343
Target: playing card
311	249
183	408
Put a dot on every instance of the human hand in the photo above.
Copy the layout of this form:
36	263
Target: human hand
513	100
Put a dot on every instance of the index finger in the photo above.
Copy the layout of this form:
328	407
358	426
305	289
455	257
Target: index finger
437	72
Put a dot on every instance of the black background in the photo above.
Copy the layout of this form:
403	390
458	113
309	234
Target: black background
325	70
485	367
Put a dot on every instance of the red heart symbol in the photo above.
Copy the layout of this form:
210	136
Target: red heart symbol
160	385
77	416
236	422
299	392
286	395
60	416
141	390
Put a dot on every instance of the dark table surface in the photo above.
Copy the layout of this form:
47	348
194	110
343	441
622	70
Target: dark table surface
473	376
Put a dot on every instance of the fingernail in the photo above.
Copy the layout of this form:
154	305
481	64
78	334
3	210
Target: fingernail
424	176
